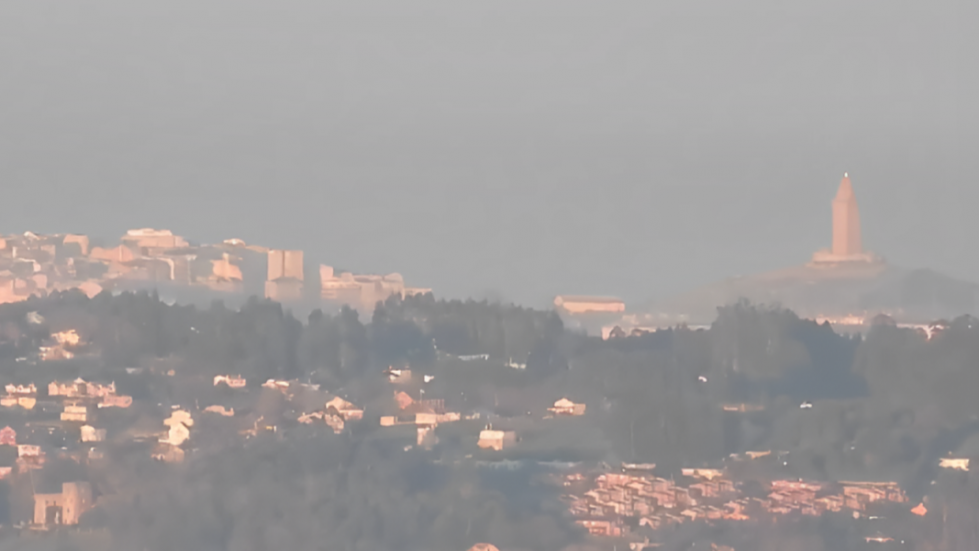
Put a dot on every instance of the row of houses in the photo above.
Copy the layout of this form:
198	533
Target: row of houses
601	504
79	397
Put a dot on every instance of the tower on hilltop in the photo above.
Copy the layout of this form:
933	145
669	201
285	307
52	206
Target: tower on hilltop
847	245
846	221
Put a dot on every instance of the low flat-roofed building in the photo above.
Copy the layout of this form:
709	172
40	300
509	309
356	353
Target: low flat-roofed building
21	390
574	304
220	410
600	527
26	402
496	439
28	450
567	407
448	417
960	464
706	474
152	239
81	388
281	386
119	254
92	434
233	381
344	409
100	390
75	413
398	376
116	401
74	388
363	290
390	421
426	419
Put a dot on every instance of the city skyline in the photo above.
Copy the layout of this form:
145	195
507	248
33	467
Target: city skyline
646	144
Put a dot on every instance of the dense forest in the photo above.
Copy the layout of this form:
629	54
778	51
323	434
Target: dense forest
885	406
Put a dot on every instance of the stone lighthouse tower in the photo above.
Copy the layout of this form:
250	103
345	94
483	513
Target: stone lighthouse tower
846	222
847	246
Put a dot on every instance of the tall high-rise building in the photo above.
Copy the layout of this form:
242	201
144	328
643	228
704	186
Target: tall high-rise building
285	275
846	221
285	264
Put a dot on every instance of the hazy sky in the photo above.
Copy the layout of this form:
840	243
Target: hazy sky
508	148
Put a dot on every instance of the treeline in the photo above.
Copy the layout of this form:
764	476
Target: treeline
261	340
892	395
327	493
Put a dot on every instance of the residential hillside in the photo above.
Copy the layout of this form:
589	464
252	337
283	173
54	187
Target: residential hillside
150	425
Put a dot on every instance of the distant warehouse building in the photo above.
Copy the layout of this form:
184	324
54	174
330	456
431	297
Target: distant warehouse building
572	304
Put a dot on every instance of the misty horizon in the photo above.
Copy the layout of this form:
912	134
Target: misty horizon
506	151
